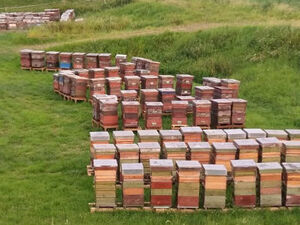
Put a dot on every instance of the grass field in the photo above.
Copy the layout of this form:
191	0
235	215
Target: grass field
44	140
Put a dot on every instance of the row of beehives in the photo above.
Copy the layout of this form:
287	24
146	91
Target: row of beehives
23	20
254	184
255	144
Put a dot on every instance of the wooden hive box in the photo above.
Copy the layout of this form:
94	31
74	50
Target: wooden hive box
188	177
200	151
97	86
238	111
65	60
38	59
148	150
78	59
191	134
55	83
120	58
148	95
201	113
104	60
112	71
189	99
223	153
233	134
103	151
109	112
166	96
132	83
91	60
214	135
129	95
279	134
291	184
247	149
141	72
291	151
294	134
204	92
78	86
96	73
211	81
161	183
127	153
253	133
114	86
148	136
270	149
153	115
25	55
221	92
179	113
52	60
123	137
221	112
170	136
233	84
184	84
174	151
215	183
127	69
153	67
130	114
165	81
82	73
149	82
99	137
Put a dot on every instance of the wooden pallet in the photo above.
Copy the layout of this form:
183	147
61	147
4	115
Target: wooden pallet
105	128
89	170
132	129
38	68
66	97
25	68
167	113
204	127
52	69
237	126
76	99
95	123
56	91
223	126
177	127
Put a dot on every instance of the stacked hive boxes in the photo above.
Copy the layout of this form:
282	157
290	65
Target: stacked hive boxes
179	112
130	114
68	83
148	150
123	137
153	67
104	60
91	60
191	134
214	135
111	71
291	183
78	60
291	151
221	112
166	96
233	134
279	134
97	110
255	133
82	73
238	112
132	83
105	182
97	86
114	86
161	183
170	136
37	59
200	151
294	134
270	149
96	73
148	95
133	184
165	81
269	177
65	60
109	112
120	58
211	81
215	180
78	87
149	82
223	153
148	136
244	181
247	149
52	60
25	58
232	84
189	99
204	92
126	69
153	115
221	92
129	95
201	113
188	176
184	84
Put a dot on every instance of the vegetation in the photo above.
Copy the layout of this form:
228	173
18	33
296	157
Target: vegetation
44	140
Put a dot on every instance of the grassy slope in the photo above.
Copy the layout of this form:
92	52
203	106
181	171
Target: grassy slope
44	140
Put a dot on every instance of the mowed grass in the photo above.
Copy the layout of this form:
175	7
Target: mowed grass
44	140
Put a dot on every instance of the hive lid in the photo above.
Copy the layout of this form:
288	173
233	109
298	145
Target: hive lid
293	132
166	90
219	146
291	144
126	147
104	147
132	168
268	141
214	170
123	133
127	63
52	53
254	132
148	133
161	163
136	103
201	102
149	90
243	164
97	69
113	78
154	146
188	164
246	142
26	51
230	81
99	135
111	68
268	166
129	91
291	167
199	145
215	133
179	102
154	104
279	133
191	130
78	54
170	133
237	100
92	54
121	56
37	52
149	76
105	163
221	101
204	88
166	76
213	79
132	77
174	145
235	132
187	98
184	76
105	54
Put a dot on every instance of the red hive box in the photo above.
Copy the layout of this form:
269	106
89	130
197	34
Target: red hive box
132	83
37	59
149	82
91	60
25	58
148	95
126	69
221	112
78	86
129	95
55	82
153	115
97	86
223	92
78	60
109	112
112	71
141	72
52	60
238	112
204	92
166	96
201	113
96	73
179	112
82	73
67	83
189	99
65	60
130	114
119	58
104	60
233	84
114	86
184	84
153	67
211	81
165	81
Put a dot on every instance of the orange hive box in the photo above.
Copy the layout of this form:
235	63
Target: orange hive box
238	111
174	151
96	104
82	73
165	81
291	151
108	112
166	96
184	84
78	60
179	113
133	184
78	86
215	181
191	134
270	149
130	114
91	60
104	60
214	135
200	151
123	137
127	153
244	181
204	92
148	150
255	133
105	182
148	95
201	113
223	153
153	115
114	86
291	184
188	176
247	149
103	151
148	136
161	183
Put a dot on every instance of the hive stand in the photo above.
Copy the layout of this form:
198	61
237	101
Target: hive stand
38	69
